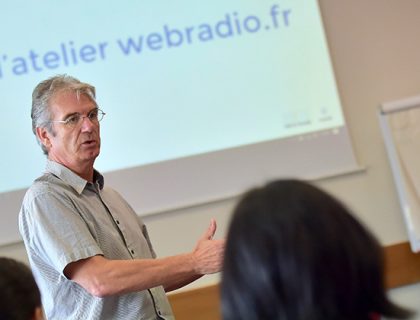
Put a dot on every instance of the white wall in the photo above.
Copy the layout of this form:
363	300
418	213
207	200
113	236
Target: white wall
375	49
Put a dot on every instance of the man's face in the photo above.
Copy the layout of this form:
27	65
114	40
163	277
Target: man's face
77	146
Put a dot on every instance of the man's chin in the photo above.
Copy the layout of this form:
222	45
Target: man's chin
91	154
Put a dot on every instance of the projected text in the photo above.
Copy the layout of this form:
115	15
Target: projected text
69	53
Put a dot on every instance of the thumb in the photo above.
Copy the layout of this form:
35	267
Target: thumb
211	230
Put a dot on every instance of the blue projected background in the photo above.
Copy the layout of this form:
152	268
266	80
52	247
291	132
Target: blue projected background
175	80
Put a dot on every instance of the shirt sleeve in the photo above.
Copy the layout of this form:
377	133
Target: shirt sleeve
54	229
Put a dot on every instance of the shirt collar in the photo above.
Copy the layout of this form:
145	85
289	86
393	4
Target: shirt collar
71	178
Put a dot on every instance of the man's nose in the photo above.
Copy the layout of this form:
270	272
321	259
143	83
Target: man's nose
87	123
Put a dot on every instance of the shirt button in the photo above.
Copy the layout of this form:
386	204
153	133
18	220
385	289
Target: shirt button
117	221
132	251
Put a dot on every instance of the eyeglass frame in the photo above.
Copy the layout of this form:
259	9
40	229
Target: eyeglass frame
79	117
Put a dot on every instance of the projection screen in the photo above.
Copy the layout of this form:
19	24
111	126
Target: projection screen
203	99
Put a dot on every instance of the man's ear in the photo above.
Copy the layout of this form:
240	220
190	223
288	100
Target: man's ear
44	137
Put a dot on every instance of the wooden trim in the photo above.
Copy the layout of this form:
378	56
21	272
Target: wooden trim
402	267
197	304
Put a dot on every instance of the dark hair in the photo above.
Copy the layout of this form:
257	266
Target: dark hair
294	252
19	293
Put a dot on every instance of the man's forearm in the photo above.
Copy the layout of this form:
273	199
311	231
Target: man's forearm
102	277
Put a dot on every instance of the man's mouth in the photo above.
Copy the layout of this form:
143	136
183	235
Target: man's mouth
89	142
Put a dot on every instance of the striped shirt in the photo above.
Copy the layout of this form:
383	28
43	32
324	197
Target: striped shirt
63	219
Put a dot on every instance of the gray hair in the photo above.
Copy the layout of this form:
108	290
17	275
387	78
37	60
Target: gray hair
48	89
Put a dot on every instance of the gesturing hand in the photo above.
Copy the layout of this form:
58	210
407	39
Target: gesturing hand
208	253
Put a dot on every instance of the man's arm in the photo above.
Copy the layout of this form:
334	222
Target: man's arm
102	277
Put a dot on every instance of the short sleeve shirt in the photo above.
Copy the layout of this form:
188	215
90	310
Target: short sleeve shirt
65	218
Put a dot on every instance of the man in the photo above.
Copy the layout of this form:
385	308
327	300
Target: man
89	251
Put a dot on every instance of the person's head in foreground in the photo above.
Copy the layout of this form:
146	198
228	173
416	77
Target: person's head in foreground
19	295
295	252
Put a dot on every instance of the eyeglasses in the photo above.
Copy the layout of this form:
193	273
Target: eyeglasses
76	119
